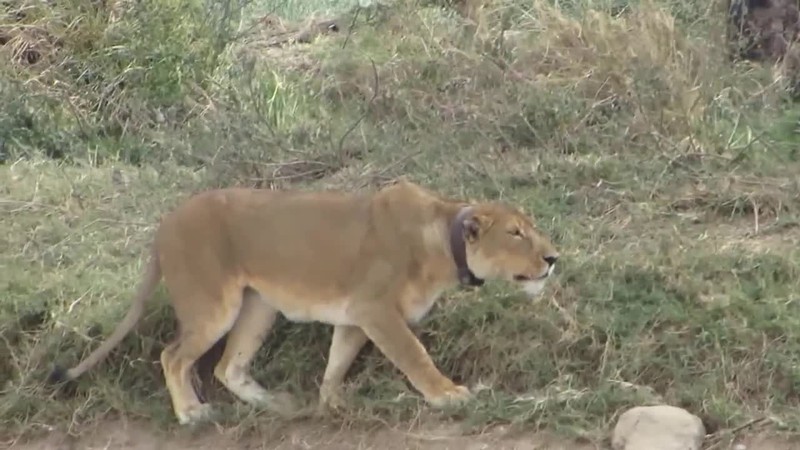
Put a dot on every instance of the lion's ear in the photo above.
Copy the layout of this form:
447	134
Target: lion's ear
474	226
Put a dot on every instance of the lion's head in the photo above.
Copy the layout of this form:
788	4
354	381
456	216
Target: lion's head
503	243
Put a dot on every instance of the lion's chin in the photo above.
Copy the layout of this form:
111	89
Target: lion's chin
533	288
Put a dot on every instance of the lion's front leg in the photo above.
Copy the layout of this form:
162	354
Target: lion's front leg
391	334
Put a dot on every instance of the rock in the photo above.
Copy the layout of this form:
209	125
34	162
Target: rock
661	427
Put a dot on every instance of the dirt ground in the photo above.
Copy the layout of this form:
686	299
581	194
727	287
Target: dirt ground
132	435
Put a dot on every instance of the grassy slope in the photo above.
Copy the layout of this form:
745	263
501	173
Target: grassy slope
667	179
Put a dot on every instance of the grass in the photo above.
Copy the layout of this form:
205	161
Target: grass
665	174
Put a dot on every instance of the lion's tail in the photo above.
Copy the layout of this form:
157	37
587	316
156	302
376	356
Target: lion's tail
147	286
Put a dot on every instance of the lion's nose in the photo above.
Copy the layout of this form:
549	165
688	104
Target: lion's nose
550	260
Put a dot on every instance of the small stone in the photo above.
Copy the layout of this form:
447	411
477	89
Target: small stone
660	427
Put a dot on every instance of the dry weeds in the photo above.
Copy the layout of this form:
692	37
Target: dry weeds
665	174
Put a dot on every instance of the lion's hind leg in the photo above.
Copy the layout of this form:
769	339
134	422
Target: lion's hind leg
255	321
203	320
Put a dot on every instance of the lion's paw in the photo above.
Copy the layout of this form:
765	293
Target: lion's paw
282	403
331	399
196	415
454	396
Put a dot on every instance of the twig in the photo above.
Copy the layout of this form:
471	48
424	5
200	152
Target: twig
366	110
382	172
755	215
718	435
351	27
304	35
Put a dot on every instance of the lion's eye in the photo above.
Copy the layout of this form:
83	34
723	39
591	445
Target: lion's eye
516	232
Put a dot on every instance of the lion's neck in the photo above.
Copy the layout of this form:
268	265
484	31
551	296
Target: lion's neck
444	240
458	247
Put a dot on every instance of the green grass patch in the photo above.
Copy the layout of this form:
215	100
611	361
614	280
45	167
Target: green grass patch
665	175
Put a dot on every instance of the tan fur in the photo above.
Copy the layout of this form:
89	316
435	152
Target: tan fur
367	264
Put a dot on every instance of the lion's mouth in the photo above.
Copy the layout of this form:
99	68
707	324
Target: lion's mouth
524	278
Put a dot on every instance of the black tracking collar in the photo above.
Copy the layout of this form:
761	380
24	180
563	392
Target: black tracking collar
458	248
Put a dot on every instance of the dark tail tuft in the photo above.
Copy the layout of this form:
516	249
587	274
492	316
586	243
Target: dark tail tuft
63	385
57	376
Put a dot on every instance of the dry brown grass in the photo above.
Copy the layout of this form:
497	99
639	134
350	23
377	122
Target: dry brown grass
666	175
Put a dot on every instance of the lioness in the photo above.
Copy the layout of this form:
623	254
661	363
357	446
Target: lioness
369	264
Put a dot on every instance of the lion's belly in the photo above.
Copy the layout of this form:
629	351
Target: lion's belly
334	313
299	306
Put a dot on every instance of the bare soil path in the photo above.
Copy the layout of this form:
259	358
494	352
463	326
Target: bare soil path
133	435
